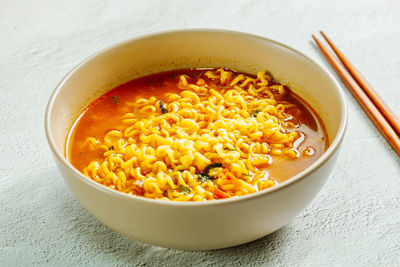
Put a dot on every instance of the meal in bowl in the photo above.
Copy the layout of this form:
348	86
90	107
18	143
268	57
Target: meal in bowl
196	135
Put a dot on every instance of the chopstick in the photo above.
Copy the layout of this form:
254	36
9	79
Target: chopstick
363	98
392	119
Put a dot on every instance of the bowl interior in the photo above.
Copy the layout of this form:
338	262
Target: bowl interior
192	49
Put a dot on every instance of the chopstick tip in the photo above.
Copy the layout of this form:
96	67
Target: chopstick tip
315	38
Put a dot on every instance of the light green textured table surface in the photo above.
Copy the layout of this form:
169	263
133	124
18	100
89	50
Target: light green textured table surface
355	220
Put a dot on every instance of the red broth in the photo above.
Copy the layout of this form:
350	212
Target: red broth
105	113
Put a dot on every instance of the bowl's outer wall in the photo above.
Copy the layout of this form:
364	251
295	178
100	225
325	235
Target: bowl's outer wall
212	225
199	227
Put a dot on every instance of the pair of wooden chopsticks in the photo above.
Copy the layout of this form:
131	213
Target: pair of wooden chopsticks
380	114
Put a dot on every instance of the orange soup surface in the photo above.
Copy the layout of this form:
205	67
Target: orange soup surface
195	135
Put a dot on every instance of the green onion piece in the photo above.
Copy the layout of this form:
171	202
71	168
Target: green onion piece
162	107
213	165
202	177
255	112
184	189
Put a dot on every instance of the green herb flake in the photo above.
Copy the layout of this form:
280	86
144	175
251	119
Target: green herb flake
184	189
202	177
229	149
210	166
162	107
115	99
255	112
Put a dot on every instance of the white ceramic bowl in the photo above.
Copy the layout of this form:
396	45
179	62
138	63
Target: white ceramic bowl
206	225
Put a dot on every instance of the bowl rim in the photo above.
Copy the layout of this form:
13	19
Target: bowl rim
298	177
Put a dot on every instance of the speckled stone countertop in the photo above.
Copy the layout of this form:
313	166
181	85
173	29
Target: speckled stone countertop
355	220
